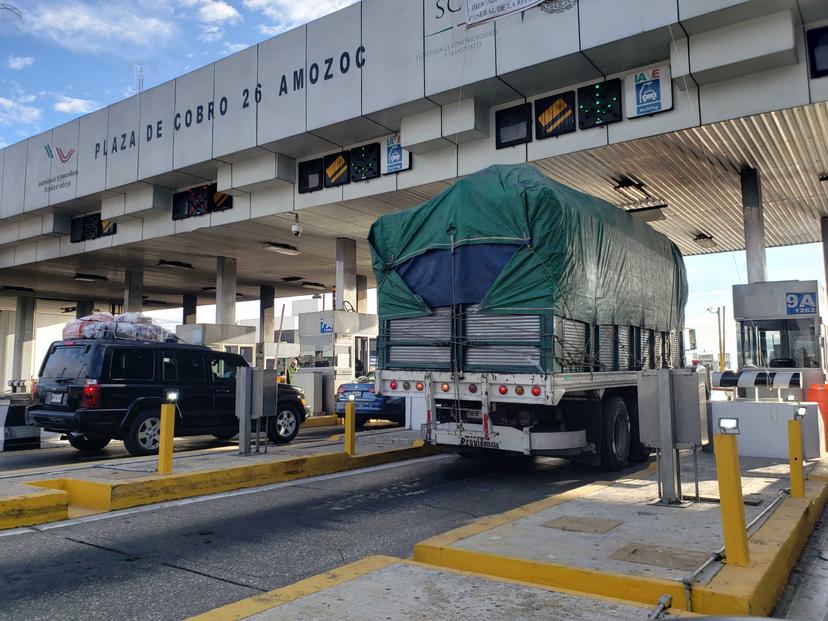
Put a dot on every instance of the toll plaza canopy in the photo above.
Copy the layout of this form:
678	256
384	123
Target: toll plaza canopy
513	241
655	106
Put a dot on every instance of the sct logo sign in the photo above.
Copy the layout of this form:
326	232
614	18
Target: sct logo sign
801	303
62	158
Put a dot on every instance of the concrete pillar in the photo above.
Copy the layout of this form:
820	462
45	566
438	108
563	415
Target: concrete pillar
824	226
6	348
753	215
362	294
84	308
346	277
267	322
225	291
189	302
133	292
24	330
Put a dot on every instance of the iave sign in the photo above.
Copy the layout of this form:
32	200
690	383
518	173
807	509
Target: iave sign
648	91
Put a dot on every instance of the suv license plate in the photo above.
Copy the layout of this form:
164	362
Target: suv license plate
56	398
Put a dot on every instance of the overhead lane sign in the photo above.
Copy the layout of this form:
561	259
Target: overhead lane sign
479	11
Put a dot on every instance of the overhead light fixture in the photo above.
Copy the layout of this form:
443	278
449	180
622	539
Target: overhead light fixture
292	279
286	249
69	309
652	213
208	288
823	177
18	289
179	265
705	241
150	302
90	278
316	286
633	191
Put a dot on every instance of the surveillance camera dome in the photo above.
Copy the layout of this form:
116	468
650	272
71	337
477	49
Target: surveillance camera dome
296	229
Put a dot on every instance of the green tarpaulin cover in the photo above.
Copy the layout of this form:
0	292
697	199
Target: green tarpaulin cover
576	256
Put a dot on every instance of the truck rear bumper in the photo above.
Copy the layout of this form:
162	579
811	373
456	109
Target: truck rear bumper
526	441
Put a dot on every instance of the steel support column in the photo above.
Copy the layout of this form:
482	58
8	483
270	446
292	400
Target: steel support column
133	292
754	220
225	291
24	330
362	294
267	321
346	276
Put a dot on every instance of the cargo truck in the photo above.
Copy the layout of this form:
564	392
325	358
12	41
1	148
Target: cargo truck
522	310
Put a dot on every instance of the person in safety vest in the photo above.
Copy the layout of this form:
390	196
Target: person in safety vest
289	372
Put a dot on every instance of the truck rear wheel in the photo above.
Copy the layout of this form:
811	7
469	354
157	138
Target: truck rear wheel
615	434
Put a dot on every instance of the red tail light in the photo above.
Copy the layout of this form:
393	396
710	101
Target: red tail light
536	391
445	387
393	384
91	396
503	389
419	385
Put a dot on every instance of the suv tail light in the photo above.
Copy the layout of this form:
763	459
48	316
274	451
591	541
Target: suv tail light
393	384
91	396
341	389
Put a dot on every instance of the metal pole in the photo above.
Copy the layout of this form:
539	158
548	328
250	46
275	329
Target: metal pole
668	467
731	500
795	458
165	440
244	381
350	428
721	340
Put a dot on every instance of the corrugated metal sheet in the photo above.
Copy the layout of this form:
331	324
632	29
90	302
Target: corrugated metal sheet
501	327
401	355
508	355
624	348
646	349
571	352
436	327
606	346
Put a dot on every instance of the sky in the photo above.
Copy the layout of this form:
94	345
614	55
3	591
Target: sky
64	58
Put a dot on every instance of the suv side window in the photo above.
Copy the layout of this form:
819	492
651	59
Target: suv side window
223	368
132	365
190	366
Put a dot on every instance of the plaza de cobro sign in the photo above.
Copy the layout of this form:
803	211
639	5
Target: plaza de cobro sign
319	71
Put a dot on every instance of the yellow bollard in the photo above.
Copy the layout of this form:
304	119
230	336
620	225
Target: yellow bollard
795	458
165	439
350	428
731	501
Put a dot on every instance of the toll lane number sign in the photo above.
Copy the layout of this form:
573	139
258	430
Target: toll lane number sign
801	303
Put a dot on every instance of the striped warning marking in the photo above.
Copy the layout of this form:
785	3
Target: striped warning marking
336	169
555	115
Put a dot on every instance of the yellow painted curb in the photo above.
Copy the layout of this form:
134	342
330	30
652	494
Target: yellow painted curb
85	495
753	590
34	508
320	421
259	603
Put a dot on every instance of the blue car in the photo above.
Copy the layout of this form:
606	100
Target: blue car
368	404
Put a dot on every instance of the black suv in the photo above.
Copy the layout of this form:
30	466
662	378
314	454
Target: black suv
99	389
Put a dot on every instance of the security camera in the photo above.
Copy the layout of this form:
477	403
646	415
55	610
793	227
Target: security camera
296	228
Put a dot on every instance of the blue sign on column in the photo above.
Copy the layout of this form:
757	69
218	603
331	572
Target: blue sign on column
801	303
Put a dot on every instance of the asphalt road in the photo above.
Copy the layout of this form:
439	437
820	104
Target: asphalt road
175	561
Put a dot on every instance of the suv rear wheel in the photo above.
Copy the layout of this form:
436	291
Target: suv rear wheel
283	427
144	433
87	444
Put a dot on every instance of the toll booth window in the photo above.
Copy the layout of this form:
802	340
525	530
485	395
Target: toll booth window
190	366
131	365
223	369
782	343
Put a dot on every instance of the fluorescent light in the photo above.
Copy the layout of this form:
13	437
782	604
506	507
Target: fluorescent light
90	278
652	213
285	249
633	191
729	426
179	265
316	286
705	241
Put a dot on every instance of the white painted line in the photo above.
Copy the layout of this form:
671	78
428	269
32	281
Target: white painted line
239	492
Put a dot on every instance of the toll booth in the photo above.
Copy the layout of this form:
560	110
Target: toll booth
335	347
780	333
